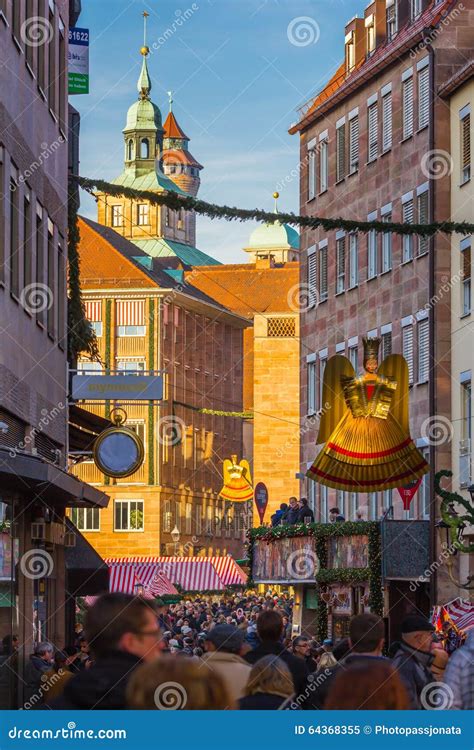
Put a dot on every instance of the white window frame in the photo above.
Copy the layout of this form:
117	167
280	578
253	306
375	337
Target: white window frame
353	260
408	346
372	249
340	263
423	347
423	86
408	105
117	215
465	143
311	384
92	528
466	297
128	501
408	212
372	129
353	165
387	117
323	164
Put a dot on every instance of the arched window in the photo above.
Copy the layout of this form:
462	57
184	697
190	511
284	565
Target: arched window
130	150
144	148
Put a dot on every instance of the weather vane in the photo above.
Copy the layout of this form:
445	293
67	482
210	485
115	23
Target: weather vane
145	49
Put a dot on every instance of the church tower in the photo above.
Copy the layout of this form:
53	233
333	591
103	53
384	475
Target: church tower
156	159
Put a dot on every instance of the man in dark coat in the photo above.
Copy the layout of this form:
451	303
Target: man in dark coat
366	639
278	516
291	516
413	657
123	632
305	512
270	632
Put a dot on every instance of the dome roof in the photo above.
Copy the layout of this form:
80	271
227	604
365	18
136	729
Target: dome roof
143	115
274	235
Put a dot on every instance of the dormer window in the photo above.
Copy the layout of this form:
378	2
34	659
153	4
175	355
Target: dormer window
370	32
350	51
415	9
392	20
144	148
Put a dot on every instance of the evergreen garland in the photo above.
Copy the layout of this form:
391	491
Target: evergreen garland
176	202
81	337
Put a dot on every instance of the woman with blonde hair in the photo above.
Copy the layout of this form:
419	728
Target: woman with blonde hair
177	683
269	687
326	660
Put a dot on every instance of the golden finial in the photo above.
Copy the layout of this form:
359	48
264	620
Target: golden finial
145	50
276	196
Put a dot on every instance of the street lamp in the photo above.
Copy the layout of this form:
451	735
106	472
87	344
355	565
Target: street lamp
443	533
175	535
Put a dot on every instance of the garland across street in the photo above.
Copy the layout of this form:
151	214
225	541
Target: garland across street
231	213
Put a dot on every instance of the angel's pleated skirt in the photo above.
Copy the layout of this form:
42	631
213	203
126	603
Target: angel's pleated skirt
238	490
368	454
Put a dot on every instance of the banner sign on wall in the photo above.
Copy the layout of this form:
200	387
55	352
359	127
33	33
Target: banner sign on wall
261	499
78	61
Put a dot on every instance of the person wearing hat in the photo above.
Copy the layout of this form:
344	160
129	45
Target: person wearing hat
413	657
224	645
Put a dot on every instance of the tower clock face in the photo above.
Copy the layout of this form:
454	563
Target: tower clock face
118	452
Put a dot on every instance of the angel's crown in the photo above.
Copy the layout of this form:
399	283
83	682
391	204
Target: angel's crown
371	348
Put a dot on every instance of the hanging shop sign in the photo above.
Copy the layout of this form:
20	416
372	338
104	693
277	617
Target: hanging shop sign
121	387
408	492
78	61
261	499
118	451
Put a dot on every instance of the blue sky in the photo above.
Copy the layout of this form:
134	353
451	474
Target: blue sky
238	70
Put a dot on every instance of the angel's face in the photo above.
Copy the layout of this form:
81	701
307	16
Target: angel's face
371	365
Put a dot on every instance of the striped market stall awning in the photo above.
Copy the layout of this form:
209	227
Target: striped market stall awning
191	573
135	578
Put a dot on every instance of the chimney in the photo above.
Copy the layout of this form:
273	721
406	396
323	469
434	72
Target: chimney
354	44
375	21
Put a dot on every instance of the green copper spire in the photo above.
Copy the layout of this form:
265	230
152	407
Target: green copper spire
144	82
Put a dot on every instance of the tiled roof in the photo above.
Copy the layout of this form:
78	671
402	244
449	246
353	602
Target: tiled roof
153	180
180	156
248	290
160	247
341	85
109	260
460	77
172	129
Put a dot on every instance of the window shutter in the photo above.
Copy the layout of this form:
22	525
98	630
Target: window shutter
311	174
387	122
323	273
353	145
423	350
423	218
373	128
386	344
407	350
372	254
423	97
323	166
408	108
466	147
341	152
341	264
353	260
312	277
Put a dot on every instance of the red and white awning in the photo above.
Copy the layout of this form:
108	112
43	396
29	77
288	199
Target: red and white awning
129	578
93	310
130	312
191	573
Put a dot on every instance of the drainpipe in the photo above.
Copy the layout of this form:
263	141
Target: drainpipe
432	327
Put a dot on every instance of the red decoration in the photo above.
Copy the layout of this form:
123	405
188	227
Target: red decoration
261	499
407	492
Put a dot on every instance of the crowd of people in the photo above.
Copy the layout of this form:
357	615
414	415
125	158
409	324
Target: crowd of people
298	511
239	653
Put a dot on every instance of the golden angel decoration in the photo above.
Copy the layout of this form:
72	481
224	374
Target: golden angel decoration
237	480
364	426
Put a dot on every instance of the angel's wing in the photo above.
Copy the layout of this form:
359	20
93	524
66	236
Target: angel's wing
395	366
246	473
225	471
333	405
